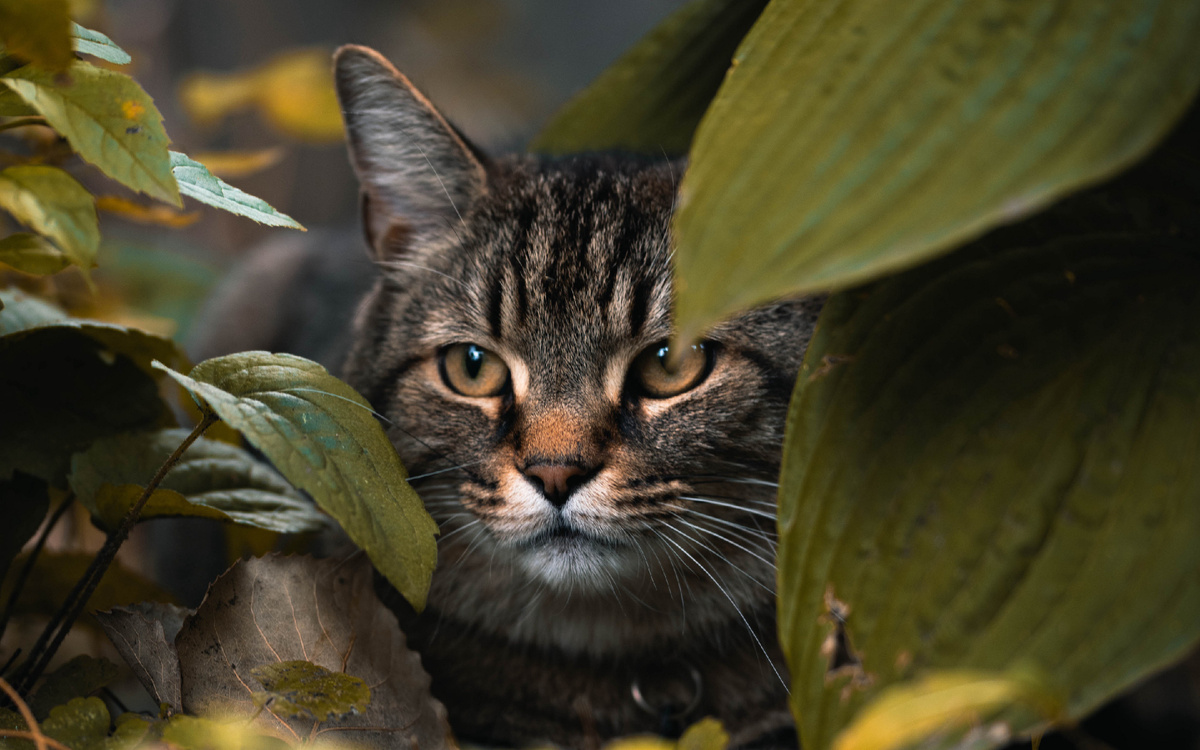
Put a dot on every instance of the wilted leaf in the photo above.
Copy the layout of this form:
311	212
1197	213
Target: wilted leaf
24	503
38	31
32	254
158	215
51	202
278	609
195	181
240	163
98	45
1004	435
81	724
651	100
294	91
56	573
144	635
856	137
78	678
212	480
301	689
108	119
322	435
207	733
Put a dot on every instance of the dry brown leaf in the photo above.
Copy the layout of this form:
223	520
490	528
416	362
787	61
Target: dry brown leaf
144	635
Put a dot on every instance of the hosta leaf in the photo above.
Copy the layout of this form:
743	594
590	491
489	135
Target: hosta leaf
303	689
990	461
195	181
855	137
38	31
651	100
322	435
30	253
53	203
98	45
212	480
108	119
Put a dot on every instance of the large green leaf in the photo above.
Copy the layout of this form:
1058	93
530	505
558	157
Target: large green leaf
37	31
108	119
212	480
323	436
53	203
32	254
651	100
855	137
990	462
195	181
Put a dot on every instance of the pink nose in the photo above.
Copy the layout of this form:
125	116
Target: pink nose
556	479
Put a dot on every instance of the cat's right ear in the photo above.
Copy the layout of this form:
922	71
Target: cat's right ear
418	175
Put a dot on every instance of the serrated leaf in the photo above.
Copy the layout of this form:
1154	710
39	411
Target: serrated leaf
81	724
24	503
301	689
78	678
32	254
37	31
53	203
144	635
853	138
323	436
98	45
651	99
977	450
195	181
212	480
108	119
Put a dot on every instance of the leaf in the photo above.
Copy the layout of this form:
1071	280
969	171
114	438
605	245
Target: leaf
240	163
977	449
851	139
53	203
78	678
143	214
938	703
81	724
279	609
12	105
20	311
212	480
322	435
98	45
24	503
30	253
651	99
37	31
706	734
132	731
108	119
144	635
293	91
56	573
195	181
205	733
301	689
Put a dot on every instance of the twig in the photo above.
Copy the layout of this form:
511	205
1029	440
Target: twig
35	732
44	740
29	561
21	122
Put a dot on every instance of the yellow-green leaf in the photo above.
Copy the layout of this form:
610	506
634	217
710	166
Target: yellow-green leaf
81	724
855	137
195	181
52	203
214	733
706	734
323	436
78	678
97	45
304	689
30	253
38	31
108	119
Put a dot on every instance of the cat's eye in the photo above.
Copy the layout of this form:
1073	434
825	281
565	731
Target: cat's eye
657	376
471	370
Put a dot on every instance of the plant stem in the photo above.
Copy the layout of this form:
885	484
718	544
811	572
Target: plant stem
40	656
21	122
30	723
19	584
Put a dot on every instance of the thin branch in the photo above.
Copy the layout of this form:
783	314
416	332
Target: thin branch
19	586
35	732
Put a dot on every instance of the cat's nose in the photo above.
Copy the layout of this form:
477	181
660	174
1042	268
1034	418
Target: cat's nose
557	480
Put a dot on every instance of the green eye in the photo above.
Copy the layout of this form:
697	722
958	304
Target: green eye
656	378
473	371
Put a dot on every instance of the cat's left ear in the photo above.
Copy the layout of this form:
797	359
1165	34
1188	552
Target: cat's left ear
419	176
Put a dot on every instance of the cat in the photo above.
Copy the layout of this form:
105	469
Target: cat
606	504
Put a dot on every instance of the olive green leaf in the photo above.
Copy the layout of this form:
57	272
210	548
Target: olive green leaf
212	480
303	689
852	138
706	734
132	731
976	451
651	100
12	105
195	181
323	436
37	31
78	678
53	203
209	733
32	254
24	503
81	724
98	45
108	119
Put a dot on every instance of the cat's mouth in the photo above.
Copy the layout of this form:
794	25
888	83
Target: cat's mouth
565	535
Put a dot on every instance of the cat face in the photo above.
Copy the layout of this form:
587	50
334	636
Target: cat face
517	342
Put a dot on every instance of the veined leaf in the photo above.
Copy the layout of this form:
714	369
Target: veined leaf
302	689
108	119
977	450
37	31
98	45
323	436
195	181
53	203
855	137
30	253
651	100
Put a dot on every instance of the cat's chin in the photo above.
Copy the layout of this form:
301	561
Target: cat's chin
570	560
